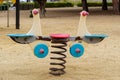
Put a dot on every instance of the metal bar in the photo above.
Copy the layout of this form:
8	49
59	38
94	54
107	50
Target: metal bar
47	38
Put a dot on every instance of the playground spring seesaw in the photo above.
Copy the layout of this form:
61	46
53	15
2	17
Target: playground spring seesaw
58	42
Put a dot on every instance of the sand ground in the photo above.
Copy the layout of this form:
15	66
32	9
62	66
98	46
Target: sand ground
100	61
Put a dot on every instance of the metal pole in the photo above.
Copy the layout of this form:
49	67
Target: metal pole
17	14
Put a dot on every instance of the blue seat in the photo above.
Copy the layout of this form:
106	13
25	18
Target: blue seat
94	38
22	38
20	35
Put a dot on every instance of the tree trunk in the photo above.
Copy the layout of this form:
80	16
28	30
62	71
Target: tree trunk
119	6
104	5
84	5
28	0
116	5
42	7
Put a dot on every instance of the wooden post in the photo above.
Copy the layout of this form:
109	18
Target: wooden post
116	6
104	5
84	5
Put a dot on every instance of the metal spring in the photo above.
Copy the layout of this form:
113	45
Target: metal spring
58	70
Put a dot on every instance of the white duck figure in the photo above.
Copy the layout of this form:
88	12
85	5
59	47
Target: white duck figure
82	29
84	33
36	26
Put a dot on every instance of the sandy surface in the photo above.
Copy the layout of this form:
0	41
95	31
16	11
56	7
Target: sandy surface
100	61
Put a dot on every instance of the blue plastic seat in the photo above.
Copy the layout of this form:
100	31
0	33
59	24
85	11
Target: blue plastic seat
94	38
22	38
20	35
